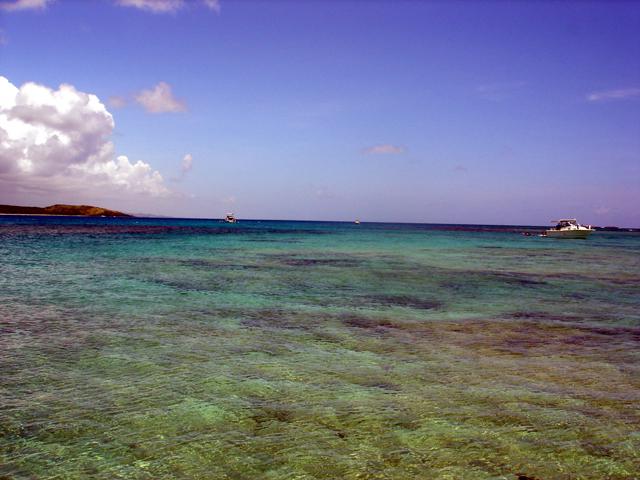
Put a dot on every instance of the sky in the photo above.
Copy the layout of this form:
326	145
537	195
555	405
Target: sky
408	111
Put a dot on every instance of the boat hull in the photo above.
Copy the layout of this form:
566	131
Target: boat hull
569	233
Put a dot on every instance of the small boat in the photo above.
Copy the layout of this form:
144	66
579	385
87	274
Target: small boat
357	222
230	218
569	228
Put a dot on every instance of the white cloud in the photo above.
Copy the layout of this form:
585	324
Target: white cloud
384	149
160	99
187	163
166	6
618	94
15	5
59	140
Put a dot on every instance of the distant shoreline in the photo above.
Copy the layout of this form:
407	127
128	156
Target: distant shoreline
61	210
58	215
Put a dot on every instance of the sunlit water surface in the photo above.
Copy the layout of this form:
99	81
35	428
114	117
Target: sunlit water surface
177	349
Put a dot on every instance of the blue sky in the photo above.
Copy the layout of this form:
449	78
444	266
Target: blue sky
470	112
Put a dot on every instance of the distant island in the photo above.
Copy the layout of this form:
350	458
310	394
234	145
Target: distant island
58	209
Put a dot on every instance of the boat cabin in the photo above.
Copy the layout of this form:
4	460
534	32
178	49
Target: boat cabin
565	223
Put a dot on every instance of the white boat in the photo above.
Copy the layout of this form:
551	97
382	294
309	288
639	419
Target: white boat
569	228
230	218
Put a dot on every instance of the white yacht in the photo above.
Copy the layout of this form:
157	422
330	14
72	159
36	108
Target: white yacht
230	218
569	228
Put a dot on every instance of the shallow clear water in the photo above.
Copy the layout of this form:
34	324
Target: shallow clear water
156	348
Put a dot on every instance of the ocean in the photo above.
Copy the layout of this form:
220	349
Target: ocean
193	349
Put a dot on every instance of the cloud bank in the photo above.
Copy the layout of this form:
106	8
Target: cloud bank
59	141
166	6
160	99
384	149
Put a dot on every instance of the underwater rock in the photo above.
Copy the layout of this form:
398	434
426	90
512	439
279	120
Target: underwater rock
518	279
538	315
366	323
275	318
294	261
406	301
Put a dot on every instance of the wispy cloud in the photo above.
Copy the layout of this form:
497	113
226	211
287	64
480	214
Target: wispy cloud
384	149
212	5
602	210
16	5
117	101
324	193
3	38
499	90
166	6
616	94
460	169
187	163
154	6
160	99
185	167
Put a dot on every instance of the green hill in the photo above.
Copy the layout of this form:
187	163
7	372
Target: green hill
59	209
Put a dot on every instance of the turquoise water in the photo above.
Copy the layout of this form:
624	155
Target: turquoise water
179	349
